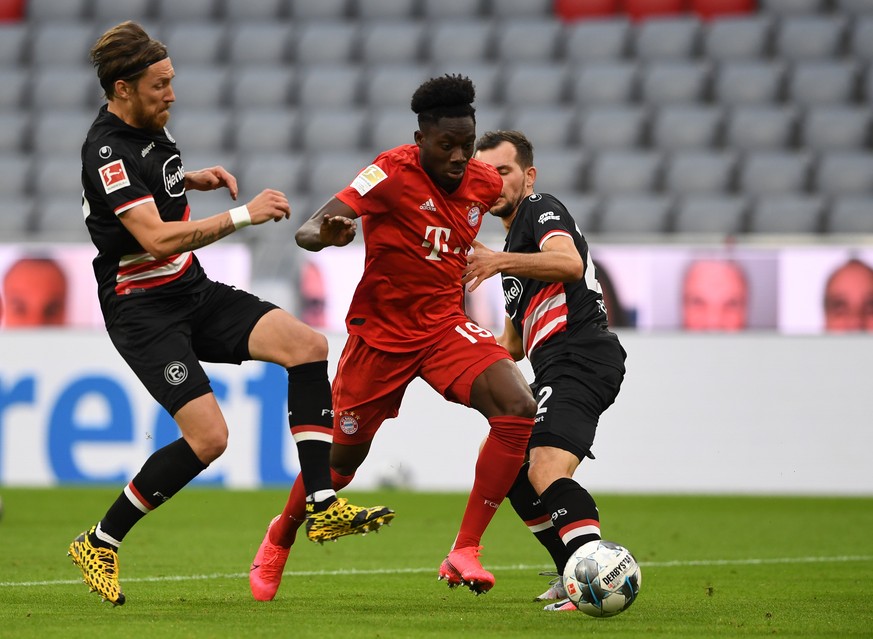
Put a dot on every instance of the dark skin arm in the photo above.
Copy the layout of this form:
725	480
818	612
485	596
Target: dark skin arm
333	224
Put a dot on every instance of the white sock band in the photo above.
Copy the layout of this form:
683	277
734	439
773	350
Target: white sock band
240	216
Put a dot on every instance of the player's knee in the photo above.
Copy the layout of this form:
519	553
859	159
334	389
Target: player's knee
212	447
521	405
311	348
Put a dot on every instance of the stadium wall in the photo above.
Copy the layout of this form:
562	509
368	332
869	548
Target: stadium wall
756	413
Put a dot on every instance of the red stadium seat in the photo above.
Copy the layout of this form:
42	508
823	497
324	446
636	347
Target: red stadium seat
708	9
11	10
570	10
643	9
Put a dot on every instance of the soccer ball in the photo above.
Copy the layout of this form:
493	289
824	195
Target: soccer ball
602	578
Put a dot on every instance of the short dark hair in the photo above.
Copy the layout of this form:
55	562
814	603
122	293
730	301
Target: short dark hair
448	96
524	150
124	52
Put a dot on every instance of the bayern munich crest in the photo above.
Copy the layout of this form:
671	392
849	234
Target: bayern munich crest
348	424
473	215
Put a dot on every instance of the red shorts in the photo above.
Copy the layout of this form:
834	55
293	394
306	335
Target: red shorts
370	383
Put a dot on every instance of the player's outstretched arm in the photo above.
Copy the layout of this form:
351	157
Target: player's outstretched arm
332	225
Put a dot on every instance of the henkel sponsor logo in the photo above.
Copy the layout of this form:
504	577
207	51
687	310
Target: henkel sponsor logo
114	176
174	177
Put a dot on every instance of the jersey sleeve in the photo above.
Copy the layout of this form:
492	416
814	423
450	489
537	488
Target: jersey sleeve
547	218
114	174
374	188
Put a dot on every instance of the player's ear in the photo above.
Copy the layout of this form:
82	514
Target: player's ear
530	177
122	89
419	138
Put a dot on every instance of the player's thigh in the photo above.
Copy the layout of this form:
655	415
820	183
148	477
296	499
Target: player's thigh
281	338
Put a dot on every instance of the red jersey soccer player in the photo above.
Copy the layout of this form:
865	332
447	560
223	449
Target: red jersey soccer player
421	207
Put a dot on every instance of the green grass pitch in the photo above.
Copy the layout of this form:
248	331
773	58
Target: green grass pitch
713	566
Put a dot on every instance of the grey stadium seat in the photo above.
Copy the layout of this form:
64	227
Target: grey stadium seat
383	9
392	41
786	213
16	217
56	43
519	8
171	11
390	127
60	217
15	83
312	37
861	39
251	10
16	170
332	171
259	43
65	87
851	214
822	82
451	41
200	129
809	37
844	173
527	40
321	10
559	170
333	129
697	172
200	86
265	129
836	127
13	44
486	77
686	126
58	174
710	213
736	38
118	10
612	127
855	7
635	214
623	172
597	83
674	82
393	85
47	10
583	208
755	127
746	82
328	85
667	38
262	85
64	130
454	9
535	83
768	172
14	130
792	7
490	118
282	171
546	126
195	42
591	40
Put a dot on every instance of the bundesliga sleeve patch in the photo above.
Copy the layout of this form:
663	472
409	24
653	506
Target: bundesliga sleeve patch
367	179
114	176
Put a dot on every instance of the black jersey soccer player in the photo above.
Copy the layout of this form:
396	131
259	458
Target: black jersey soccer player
165	316
556	318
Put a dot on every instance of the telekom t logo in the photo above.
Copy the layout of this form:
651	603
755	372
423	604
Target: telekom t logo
438	245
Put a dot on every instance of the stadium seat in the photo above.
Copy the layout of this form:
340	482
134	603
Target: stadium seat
265	130
196	159
724	214
328	85
60	43
635	214
65	87
377	10
623	171
585	10
592	40
14	37
667	38
737	38
772	172
171	11
854	7
392	41
746	82
48	10
393	85
60	217
809	37
452	41
118	10
486	77
861	39
674	82
535	83
200	129
311	39
490	117
332	129
17	217
603	83
827	128
612	127
15	83
282	171
850	214
546	126
57	174
844	173
393	126
455	9
16	171
699	172
646	9
198	85
583	209
519	8
688	126
559	170
262	85
527	40
757	126
822	82
254	10
792	7
710	9
61	130
332	171
195	42
867	85
259	43
786	213
14	130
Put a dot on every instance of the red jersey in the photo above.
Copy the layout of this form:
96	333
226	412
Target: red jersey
416	239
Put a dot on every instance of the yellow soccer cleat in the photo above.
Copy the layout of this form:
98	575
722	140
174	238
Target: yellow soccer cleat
99	568
342	518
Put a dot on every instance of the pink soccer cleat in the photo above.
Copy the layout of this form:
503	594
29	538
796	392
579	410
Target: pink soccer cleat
462	568
265	575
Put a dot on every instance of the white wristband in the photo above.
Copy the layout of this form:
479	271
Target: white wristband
240	216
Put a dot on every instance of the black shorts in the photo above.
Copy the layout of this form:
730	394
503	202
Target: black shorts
571	396
163	338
